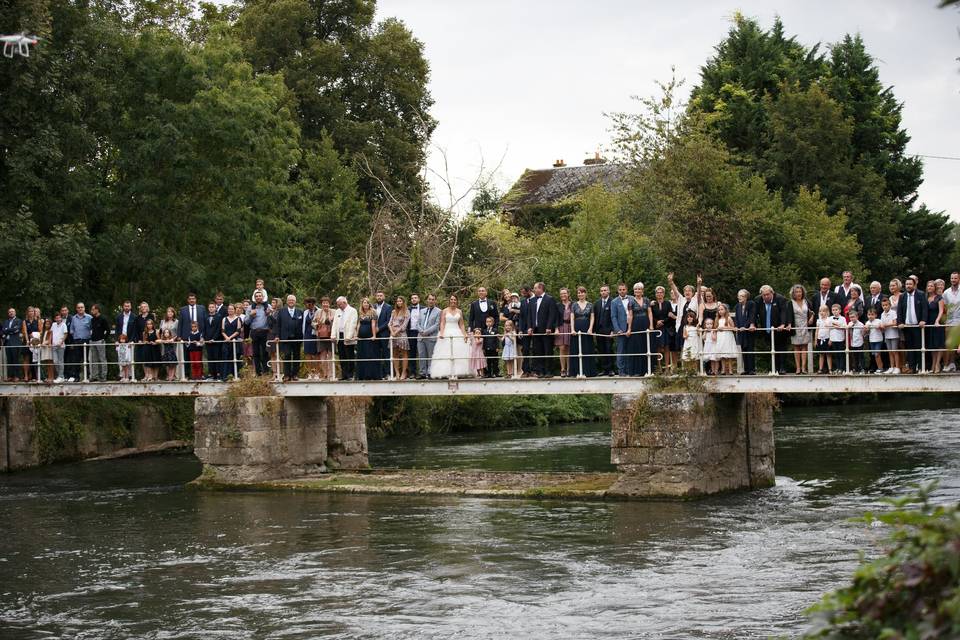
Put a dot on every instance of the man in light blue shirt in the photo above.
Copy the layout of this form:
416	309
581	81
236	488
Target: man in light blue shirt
80	328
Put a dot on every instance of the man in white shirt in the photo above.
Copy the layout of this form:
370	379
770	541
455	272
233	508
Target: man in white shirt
343	332
413	333
951	298
912	312
58	339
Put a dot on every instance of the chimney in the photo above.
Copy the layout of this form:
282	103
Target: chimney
559	163
596	159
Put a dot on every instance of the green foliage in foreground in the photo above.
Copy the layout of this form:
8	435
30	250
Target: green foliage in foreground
909	593
407	416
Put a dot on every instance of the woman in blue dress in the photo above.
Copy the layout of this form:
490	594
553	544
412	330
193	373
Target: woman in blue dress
368	351
583	324
640	341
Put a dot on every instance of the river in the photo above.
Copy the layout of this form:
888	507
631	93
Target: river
120	549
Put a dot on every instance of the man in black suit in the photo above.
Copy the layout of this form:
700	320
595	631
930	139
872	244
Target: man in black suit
290	333
772	317
603	326
745	319
824	297
523	325
481	309
912	312
541	323
218	353
125	320
190	313
383	310
413	332
211	334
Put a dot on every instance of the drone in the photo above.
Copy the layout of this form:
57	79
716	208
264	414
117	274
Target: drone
19	43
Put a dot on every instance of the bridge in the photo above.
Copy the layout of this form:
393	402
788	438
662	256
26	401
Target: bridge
682	436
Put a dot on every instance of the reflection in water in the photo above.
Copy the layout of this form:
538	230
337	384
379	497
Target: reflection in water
120	550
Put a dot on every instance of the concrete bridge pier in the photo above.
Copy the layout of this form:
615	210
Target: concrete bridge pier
253	439
680	445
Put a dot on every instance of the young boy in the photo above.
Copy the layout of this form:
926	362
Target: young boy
195	351
855	331
838	338
491	341
875	337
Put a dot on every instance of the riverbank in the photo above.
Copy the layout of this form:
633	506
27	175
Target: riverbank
437	482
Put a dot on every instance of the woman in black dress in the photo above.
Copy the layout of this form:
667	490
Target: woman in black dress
582	345
640	342
150	350
936	334
231	332
141	351
368	351
664	321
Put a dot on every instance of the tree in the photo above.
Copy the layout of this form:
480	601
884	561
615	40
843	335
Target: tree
364	84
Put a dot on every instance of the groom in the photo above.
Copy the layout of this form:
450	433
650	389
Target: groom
541	324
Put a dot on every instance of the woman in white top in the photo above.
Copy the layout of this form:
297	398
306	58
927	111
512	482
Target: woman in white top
171	323
451	356
800	337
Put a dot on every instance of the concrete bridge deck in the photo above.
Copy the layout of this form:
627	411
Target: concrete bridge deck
865	383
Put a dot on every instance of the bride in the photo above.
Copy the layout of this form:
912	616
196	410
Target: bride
451	356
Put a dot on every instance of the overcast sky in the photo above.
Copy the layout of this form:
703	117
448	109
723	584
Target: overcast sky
530	80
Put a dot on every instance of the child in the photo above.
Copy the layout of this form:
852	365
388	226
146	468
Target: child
125	358
46	351
258	287
822	345
891	336
710	353
477	362
509	354
169	356
838	338
691	342
875	329
195	351
855	331
490	344
726	342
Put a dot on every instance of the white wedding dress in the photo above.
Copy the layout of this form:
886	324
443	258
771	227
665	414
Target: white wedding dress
451	356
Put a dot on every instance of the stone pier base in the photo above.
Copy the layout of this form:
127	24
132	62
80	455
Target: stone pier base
268	438
692	444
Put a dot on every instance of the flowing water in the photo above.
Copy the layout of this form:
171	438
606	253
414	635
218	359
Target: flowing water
121	550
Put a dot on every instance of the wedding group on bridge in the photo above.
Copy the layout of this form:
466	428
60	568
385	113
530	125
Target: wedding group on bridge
527	333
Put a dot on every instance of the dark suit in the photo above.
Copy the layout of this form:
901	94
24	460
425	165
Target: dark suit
780	314
912	334
13	345
183	326
874	302
219	352
745	315
383	331
602	324
841	296
478	318
290	327
413	334
818	300
524	339
541	320
118	326
211	334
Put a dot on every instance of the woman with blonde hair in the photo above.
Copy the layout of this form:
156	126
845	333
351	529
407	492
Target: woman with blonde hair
399	324
800	336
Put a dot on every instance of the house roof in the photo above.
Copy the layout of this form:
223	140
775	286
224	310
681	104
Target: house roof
547	186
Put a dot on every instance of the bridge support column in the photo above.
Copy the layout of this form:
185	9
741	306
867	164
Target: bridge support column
268	438
692	444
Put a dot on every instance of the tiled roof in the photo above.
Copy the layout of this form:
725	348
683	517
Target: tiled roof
546	186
